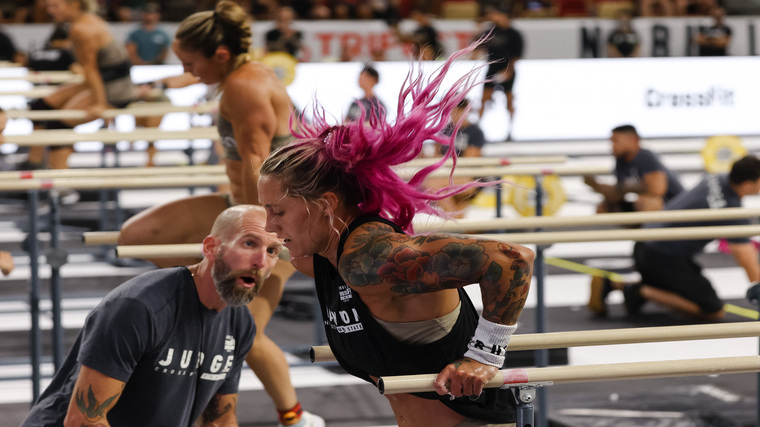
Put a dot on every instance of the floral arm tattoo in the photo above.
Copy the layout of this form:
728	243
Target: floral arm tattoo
429	263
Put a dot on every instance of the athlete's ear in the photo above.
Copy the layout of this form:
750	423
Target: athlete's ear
222	54
211	246
329	202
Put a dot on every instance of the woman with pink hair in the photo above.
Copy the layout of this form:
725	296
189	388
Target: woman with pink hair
393	302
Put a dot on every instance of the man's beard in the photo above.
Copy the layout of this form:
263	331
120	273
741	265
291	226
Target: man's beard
225	281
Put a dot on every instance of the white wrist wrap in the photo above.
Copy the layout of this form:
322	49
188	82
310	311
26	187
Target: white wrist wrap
489	344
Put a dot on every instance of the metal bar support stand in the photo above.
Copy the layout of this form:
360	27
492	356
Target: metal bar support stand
56	258
757	404
499	198
33	249
539	267
525	394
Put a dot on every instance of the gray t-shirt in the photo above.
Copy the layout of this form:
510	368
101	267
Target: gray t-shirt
714	192
153	333
645	161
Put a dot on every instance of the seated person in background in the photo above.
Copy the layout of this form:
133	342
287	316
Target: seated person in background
167	347
670	275
370	104
469	142
638	171
624	41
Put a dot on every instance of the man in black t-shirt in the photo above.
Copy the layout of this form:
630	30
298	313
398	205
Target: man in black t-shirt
670	275
424	42
503	49
623	41
638	172
283	37
714	40
166	347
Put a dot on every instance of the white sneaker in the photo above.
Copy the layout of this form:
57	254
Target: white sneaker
308	420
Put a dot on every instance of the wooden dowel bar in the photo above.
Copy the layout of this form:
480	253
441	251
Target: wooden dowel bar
159	251
498	171
67	137
588	373
114	182
100	237
676	233
550	340
136	110
111	172
489	161
643	234
618	218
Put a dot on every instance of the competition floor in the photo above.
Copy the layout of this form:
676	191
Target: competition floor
727	400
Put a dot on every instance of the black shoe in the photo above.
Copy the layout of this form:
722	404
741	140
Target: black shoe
633	298
600	288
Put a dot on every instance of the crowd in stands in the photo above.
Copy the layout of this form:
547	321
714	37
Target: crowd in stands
27	11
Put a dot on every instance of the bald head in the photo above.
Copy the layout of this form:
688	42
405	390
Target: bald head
232	219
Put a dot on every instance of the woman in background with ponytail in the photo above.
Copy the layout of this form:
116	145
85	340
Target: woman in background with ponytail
106	68
254	110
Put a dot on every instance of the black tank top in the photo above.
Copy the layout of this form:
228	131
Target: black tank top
363	347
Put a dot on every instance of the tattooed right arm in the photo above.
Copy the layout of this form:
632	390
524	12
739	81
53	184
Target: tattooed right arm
94	395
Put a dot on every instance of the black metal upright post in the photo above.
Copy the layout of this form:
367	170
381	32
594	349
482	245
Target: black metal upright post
32	245
55	262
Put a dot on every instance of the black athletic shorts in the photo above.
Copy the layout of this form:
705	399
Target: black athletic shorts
682	276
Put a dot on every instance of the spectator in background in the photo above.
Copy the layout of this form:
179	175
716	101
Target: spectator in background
638	171
370	105
714	40
624	41
284	38
670	275
57	55
16	11
504	47
424	40
148	44
469	142
127	10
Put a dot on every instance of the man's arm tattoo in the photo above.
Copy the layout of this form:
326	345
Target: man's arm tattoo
213	410
90	407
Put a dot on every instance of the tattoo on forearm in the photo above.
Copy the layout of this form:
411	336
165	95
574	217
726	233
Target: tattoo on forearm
506	305
213	411
91	408
380	256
